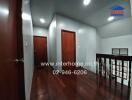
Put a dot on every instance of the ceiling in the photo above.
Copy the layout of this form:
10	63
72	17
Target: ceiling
95	14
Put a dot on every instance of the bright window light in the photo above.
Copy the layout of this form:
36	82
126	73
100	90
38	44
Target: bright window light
86	2
42	20
111	18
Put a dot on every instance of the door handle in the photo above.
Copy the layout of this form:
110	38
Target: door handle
19	60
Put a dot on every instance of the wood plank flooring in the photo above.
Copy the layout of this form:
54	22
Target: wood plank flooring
47	86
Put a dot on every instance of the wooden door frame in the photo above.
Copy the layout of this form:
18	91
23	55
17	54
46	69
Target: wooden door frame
20	53
63	30
40	36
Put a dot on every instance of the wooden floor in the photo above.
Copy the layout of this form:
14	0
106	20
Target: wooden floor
47	86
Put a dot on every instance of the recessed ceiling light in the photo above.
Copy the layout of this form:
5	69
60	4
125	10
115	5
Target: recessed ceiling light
86	2
42	20
111	18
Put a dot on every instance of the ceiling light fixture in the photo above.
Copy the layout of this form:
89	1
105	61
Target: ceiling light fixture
86	2
111	18
42	20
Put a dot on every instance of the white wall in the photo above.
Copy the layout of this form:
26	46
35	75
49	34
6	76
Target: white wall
117	42
98	43
28	48
38	31
85	40
52	43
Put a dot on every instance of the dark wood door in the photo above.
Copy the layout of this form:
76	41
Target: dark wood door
68	48
40	50
11	51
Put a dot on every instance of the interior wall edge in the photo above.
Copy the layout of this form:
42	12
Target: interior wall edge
28	47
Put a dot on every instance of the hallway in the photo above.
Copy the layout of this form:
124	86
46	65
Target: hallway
47	86
89	37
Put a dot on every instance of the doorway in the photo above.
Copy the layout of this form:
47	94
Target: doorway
68	40
40	50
